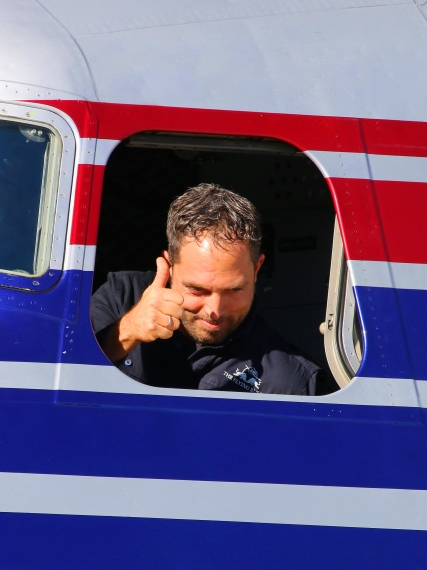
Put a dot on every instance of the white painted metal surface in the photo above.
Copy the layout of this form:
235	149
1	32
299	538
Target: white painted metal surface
370	166
345	57
388	274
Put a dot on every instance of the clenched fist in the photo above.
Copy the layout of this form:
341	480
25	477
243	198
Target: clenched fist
149	319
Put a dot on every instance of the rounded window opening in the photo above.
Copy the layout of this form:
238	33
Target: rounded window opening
146	172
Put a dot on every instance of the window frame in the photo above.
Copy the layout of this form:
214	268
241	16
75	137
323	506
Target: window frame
59	199
343	335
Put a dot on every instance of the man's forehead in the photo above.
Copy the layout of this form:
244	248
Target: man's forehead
206	247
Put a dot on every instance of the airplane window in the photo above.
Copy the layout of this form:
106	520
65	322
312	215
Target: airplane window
146	172
28	168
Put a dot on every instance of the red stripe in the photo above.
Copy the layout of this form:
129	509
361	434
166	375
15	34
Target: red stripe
87	205
307	132
399	138
79	112
402	207
95	205
358	217
381	221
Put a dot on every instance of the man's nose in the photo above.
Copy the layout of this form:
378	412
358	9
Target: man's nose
214	306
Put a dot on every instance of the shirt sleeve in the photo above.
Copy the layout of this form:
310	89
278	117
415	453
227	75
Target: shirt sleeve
310	388
103	309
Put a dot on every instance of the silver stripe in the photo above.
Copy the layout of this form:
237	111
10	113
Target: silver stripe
370	166
97	151
80	257
104	148
388	274
213	501
87	150
331	164
361	391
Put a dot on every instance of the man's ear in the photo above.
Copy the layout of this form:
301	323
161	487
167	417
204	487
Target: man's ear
165	254
258	264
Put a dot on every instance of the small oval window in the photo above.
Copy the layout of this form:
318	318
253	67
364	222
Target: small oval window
29	167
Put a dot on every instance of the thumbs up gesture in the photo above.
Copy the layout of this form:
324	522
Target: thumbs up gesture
149	319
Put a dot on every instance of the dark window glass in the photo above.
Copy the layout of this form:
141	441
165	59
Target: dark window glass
24	150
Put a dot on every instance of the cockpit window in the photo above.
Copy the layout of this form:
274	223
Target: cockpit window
29	164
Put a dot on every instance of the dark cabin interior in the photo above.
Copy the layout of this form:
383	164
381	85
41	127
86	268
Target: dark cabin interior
146	172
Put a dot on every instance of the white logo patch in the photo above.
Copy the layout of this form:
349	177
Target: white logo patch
246	378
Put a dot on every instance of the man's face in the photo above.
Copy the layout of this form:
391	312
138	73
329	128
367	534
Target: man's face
218	287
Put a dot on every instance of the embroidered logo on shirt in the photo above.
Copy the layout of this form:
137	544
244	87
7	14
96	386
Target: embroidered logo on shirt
246	378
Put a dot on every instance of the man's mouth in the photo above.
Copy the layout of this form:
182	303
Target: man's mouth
211	325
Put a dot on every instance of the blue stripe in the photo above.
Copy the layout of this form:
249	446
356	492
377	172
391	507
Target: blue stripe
413	306
395	321
216	440
69	542
385	354
53	326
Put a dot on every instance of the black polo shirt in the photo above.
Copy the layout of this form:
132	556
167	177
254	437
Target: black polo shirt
254	358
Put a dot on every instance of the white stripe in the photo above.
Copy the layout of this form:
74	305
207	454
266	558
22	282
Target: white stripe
104	148
96	151
87	151
331	164
362	391
213	501
89	258
388	274
80	257
370	166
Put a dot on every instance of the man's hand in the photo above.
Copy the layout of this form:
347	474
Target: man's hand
148	319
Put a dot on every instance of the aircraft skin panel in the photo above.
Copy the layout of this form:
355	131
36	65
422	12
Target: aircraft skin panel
105	542
98	468
103	17
166	438
40	52
333	72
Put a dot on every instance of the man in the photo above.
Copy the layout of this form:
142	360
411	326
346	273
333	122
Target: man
194	323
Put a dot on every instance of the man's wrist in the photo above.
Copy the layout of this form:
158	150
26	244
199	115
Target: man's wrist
125	336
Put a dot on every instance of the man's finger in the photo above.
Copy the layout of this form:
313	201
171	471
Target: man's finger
170	323
171	309
162	276
173	297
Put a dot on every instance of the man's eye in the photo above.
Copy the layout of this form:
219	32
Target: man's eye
237	289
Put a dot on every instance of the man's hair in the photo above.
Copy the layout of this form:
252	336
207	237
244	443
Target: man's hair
209	209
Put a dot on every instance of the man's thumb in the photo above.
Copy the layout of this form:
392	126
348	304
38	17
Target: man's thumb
162	276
